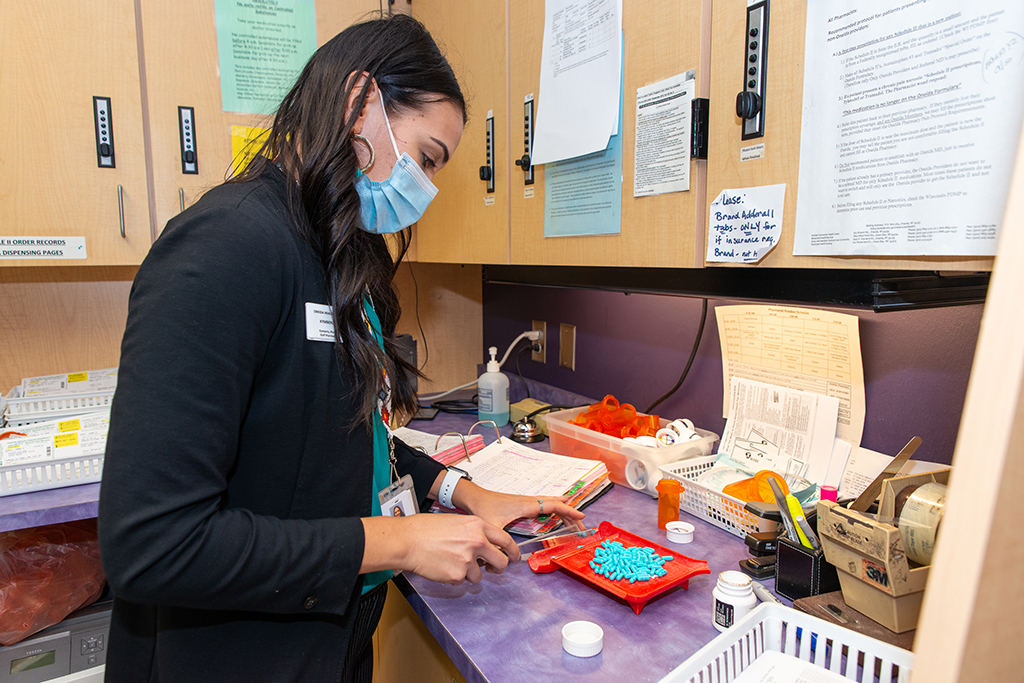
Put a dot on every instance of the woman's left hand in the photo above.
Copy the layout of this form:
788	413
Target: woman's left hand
500	509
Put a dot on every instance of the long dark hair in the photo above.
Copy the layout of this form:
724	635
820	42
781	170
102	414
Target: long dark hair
311	140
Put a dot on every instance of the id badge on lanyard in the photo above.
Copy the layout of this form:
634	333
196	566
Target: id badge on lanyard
398	499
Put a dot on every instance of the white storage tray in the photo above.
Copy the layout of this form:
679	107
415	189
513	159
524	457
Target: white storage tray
23	411
720	509
51	474
772	627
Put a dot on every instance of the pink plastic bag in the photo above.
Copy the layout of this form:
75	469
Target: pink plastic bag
46	573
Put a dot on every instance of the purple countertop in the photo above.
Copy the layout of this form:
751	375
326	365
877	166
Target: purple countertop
508	627
26	510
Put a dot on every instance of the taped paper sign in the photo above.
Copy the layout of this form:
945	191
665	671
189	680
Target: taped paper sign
745	224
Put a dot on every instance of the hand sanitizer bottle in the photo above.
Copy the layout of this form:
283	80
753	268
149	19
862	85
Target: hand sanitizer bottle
492	390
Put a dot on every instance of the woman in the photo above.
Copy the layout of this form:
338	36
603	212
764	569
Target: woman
240	522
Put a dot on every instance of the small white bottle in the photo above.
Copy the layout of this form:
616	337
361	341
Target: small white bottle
734	598
492	392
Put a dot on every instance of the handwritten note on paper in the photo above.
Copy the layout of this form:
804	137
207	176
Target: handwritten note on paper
745	224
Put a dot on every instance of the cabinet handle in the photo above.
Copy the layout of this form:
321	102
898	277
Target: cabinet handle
120	208
181	198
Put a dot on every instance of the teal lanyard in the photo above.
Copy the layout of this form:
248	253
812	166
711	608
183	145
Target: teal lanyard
381	451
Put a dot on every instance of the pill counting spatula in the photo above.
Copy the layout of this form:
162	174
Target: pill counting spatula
550	540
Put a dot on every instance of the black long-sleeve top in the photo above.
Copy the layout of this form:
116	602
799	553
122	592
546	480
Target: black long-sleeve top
234	482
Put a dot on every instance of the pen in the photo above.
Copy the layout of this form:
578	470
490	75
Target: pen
763	594
805	526
796	511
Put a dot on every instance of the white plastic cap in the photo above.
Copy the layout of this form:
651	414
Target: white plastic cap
679	532
582	638
492	364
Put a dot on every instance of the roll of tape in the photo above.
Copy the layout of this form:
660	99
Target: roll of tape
648	441
919	521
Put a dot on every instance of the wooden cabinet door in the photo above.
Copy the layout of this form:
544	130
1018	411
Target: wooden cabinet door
783	109
182	69
465	223
662	39
54	58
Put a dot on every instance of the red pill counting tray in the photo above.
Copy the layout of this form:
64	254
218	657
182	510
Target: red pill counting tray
575	558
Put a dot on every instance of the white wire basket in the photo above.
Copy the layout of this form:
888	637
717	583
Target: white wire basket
719	509
51	474
772	627
24	411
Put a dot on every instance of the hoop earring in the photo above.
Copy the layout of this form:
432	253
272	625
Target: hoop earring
359	138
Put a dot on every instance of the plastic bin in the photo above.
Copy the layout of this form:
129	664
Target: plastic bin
52	474
720	509
772	627
629	464
23	411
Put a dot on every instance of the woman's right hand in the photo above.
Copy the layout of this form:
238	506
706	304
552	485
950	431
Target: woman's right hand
440	547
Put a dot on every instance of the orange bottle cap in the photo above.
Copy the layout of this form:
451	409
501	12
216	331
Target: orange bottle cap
669	486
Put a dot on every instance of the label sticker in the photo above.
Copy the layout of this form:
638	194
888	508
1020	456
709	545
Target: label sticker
752	152
69	425
62	440
724	613
528	192
489	200
874	573
319	325
35	247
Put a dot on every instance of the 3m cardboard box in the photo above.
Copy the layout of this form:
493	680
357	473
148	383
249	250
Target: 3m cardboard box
876	577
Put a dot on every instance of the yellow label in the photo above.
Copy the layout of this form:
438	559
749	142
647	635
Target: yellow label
69	425
61	440
78	376
245	143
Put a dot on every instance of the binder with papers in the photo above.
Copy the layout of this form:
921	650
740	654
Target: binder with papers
508	467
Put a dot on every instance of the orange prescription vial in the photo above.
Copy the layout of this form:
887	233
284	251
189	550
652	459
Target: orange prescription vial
668	501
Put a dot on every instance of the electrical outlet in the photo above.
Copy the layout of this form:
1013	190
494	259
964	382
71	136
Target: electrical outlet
542	355
567	346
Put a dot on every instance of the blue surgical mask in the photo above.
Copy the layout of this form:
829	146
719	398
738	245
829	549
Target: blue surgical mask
398	202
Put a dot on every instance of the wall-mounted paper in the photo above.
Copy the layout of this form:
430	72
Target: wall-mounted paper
245	143
801	348
745	223
262	46
911	115
583	196
661	162
581	60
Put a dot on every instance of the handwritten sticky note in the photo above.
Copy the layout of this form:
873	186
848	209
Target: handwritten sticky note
745	224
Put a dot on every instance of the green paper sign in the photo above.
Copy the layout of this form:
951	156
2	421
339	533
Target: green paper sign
262	46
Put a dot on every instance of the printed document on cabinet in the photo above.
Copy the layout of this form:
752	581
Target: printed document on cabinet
797	348
581	60
911	115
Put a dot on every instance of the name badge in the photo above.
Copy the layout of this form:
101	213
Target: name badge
319	325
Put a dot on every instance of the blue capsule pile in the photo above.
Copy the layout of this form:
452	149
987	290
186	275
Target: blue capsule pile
635	563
